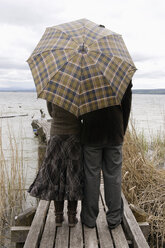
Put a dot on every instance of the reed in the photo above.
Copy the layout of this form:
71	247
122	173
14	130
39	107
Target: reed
12	184
144	182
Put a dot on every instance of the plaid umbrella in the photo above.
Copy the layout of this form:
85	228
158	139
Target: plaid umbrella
81	66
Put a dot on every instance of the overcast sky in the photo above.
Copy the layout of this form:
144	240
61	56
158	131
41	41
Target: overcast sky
141	23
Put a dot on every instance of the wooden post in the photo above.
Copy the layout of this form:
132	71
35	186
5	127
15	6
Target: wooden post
41	153
132	227
145	227
25	218
20	231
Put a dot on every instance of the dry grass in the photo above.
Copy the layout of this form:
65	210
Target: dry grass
12	183
144	183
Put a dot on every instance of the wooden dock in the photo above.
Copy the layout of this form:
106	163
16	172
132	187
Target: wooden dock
43	232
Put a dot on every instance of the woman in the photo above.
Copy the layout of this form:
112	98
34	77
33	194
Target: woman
60	176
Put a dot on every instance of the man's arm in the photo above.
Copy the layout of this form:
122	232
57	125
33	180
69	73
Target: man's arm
126	105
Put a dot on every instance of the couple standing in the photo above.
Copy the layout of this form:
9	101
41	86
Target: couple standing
76	153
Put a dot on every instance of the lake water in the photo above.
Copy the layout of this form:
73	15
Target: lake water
148	111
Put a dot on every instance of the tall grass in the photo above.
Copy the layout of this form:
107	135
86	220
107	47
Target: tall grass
144	182
12	184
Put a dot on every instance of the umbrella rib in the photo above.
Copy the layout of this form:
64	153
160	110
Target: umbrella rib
68	35
56	73
78	90
65	100
50	50
104	37
100	72
114	56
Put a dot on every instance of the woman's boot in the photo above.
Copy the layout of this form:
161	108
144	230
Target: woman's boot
72	211
59	214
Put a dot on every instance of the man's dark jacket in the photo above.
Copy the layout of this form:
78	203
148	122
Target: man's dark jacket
107	125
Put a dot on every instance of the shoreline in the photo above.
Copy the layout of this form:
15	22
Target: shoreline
134	91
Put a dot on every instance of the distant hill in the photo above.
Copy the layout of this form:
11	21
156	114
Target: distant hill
134	91
149	91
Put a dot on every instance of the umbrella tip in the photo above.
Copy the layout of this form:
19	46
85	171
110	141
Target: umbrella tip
101	26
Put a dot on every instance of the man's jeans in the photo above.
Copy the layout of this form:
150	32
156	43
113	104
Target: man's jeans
107	158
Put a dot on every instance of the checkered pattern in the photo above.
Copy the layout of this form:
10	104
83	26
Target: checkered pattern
81	67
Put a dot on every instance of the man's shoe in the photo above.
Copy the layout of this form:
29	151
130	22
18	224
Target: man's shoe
111	227
89	226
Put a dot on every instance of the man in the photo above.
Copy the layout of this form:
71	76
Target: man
102	138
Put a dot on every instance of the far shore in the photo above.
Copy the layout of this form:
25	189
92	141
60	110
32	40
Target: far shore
134	91
149	91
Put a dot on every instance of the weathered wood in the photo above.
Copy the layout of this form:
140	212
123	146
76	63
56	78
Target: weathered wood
42	129
140	214
48	236
132	227
76	237
62	233
90	237
41	153
19	233
102	227
25	218
37	226
23	221
11	116
119	237
145	227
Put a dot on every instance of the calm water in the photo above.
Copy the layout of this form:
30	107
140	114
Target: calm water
20	128
148	111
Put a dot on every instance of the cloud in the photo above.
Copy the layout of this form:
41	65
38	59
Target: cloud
28	12
151	75
141	23
147	83
141	57
10	63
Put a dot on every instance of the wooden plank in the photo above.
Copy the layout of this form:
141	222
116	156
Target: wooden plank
90	237
105	239
119	237
145	227
25	218
48	236
37	226
132	227
76	236
19	233
62	233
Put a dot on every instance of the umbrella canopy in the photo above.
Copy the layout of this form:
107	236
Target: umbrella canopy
81	66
